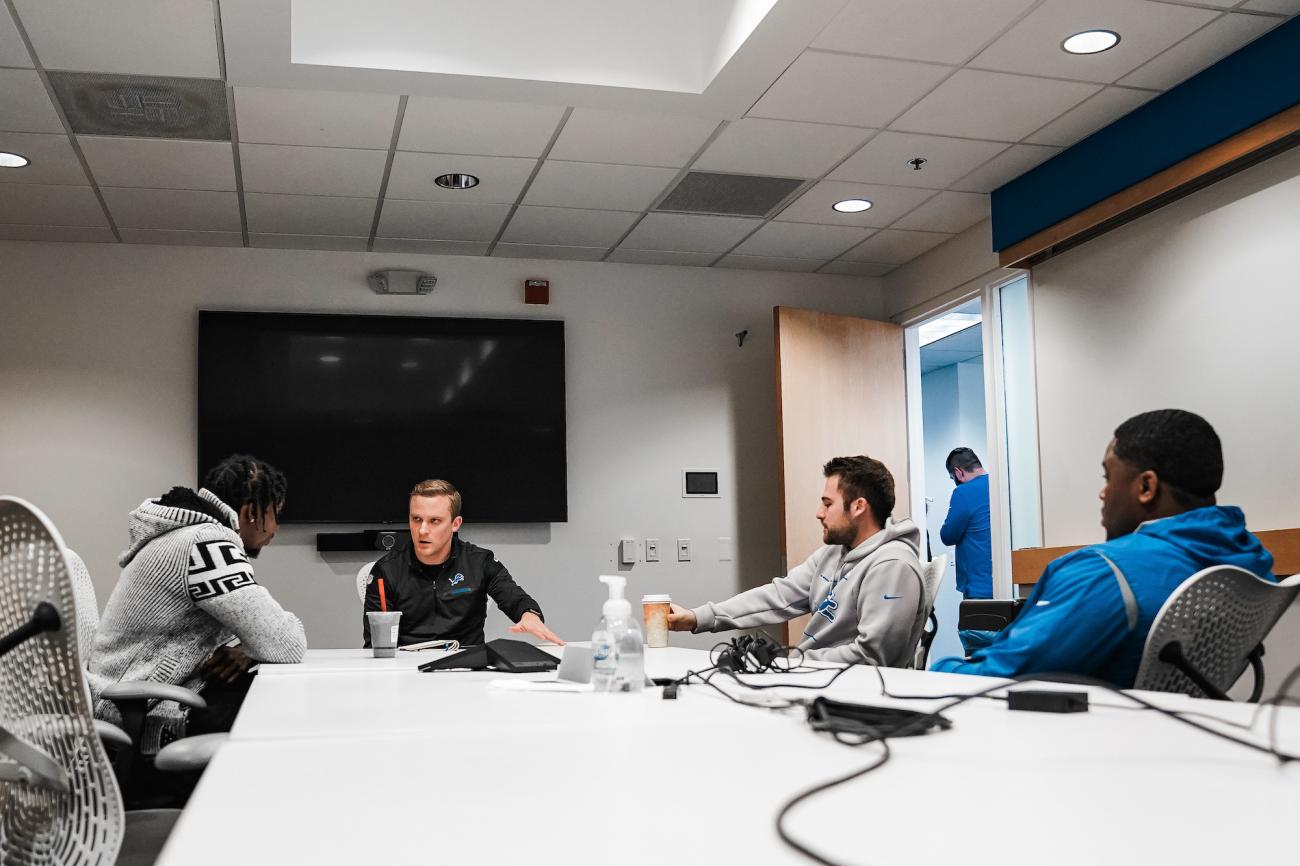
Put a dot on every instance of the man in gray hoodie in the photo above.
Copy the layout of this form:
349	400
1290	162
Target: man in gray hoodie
864	587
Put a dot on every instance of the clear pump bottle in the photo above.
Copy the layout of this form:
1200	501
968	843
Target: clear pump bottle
618	652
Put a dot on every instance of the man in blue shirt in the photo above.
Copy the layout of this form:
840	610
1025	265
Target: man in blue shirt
1091	609
967	528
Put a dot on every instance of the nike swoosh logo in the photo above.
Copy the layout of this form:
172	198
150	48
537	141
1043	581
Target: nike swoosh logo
889	597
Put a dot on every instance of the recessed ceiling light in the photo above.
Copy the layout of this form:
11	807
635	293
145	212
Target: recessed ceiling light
456	181
1091	42
13	160
852	205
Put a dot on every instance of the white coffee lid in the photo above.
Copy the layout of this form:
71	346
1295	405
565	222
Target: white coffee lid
656	599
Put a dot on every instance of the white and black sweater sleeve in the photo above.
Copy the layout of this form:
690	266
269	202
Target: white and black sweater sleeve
220	582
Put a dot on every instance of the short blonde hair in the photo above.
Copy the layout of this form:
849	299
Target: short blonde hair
438	487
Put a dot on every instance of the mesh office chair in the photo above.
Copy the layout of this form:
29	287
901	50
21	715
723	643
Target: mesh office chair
932	577
363	577
64	809
1210	629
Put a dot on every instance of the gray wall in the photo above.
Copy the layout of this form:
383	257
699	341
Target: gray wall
97	382
1193	306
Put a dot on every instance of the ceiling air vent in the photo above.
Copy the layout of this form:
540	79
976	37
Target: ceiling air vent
143	105
729	194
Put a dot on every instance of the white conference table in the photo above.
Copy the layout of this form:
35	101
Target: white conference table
445	767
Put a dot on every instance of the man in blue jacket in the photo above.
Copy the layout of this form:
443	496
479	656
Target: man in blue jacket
967	528
1091	609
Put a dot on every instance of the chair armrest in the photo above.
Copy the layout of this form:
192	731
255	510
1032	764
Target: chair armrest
142	690
189	753
110	734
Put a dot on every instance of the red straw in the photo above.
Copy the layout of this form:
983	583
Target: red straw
383	600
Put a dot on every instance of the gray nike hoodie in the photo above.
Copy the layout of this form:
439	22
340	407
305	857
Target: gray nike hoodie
868	604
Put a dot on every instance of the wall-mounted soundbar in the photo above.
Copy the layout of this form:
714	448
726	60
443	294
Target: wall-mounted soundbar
367	539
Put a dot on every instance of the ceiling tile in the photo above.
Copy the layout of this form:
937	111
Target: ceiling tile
802	241
884	159
1281	7
1007	165
893	246
565	227
1033	46
857	269
52	159
943	31
947	212
1098	110
631	139
320	118
598	185
542	251
437	125
993	105
24	104
144	37
437	248
888	203
307	242
779	147
50	205
1204	47
159	163
166	237
688	234
770	263
661	257
311	170
12	50
270	213
501	178
441	221
60	234
187	209
838	88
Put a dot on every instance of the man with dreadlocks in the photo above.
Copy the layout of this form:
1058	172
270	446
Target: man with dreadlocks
1091	609
187	590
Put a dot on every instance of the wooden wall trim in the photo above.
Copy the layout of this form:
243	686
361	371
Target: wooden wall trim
1246	147
1028	563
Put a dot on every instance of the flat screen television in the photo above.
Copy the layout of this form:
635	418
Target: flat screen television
355	410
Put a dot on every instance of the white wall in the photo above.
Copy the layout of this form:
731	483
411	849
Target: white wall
97	389
1194	306
952	402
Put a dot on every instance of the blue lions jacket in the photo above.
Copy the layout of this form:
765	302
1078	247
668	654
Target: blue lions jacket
1079	617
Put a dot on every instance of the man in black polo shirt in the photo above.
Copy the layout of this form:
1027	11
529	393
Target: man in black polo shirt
441	584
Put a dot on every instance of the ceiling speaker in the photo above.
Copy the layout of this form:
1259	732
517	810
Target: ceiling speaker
143	106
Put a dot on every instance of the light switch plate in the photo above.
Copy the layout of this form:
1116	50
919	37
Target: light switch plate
683	550
652	550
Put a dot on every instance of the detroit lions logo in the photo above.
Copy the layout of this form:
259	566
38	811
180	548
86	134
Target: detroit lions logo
457	579
829	605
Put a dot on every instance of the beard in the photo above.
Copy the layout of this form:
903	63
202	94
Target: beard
837	535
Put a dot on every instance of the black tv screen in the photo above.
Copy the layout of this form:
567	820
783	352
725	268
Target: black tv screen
355	410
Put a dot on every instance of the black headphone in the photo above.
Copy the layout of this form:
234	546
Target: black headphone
747	654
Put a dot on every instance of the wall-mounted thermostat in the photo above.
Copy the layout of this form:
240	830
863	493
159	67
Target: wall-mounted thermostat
700	484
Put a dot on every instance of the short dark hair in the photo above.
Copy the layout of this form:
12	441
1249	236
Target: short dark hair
962	458
242	479
1179	446
864	478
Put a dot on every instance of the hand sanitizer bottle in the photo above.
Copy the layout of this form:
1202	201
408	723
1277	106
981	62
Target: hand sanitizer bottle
618	657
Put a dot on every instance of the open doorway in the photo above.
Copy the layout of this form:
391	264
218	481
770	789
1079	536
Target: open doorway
951	367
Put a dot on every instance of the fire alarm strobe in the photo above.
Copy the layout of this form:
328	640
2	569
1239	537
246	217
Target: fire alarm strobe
402	282
537	291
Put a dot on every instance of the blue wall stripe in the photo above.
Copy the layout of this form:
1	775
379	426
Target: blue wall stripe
1243	89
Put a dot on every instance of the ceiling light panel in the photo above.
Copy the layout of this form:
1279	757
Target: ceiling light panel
945	326
1090	42
1033	46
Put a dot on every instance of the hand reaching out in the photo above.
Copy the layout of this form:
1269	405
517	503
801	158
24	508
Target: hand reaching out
532	624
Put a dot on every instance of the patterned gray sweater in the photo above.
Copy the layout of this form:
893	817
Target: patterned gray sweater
186	588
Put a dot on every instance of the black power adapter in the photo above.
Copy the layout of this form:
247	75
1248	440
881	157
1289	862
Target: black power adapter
1047	701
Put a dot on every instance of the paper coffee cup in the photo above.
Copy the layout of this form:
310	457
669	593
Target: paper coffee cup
654	610
383	632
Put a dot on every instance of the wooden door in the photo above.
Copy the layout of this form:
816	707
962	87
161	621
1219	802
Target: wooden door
840	390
